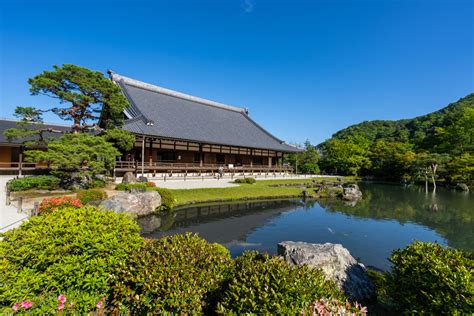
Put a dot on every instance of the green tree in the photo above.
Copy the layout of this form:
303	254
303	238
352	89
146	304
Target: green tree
88	96
306	161
461	168
347	156
77	155
391	160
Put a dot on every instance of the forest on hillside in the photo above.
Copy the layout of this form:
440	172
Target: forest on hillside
438	147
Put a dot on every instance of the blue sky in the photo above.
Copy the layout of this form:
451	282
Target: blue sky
304	68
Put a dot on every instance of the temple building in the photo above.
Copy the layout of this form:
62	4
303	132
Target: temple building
180	133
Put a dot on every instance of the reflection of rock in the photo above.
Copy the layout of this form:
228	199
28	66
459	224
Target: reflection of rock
149	224
135	203
337	264
462	187
351	192
129	177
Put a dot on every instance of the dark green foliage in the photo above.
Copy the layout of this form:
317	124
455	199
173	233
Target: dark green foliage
71	251
88	93
35	182
122	139
91	195
167	198
264	285
246	180
176	274
96	183
79	153
306	161
400	150
427	277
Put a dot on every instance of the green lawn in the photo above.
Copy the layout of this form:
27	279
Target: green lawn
259	190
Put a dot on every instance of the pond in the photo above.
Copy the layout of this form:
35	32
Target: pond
387	218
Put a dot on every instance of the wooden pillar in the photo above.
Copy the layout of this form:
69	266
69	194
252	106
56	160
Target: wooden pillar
200	156
269	161
150	154
143	156
251	158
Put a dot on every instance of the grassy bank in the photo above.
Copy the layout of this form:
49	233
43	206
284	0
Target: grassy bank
263	189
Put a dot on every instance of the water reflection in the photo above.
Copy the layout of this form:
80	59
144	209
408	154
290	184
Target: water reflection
388	217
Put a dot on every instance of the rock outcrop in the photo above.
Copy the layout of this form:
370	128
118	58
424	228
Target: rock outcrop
351	192
462	187
337	264
129	177
140	204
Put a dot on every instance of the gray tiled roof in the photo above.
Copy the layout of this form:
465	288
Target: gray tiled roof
7	124
179	116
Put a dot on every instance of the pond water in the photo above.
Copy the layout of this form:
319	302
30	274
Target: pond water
387	218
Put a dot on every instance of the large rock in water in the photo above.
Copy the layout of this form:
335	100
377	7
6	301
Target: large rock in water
129	177
135	203
351	192
336	263
462	187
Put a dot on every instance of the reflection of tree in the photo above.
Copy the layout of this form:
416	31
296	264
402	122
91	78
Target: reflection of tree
450	214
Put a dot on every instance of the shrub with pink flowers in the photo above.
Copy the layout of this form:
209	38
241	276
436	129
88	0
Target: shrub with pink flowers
64	262
324	307
53	204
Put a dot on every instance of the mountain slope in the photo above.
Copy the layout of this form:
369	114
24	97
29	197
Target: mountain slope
419	131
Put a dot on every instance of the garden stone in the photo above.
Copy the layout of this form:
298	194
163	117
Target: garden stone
336	263
129	177
140	204
351	193
462	187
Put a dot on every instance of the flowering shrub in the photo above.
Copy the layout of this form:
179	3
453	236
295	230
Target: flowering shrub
53	204
151	184
71	252
265	285
324	307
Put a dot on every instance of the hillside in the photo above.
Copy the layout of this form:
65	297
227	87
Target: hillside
419	131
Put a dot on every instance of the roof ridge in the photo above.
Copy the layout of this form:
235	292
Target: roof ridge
151	87
33	123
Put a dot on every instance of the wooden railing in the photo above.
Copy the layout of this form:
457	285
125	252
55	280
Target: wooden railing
183	166
21	165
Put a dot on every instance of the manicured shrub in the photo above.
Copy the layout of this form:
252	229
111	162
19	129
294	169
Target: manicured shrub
167	198
429	278
34	182
96	183
71	252
175	274
246	180
128	187
54	204
91	195
151	184
264	285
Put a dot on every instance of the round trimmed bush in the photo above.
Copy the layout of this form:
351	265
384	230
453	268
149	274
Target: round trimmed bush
72	252
91	195
427	277
34	182
265	285
167	198
175	274
246	180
